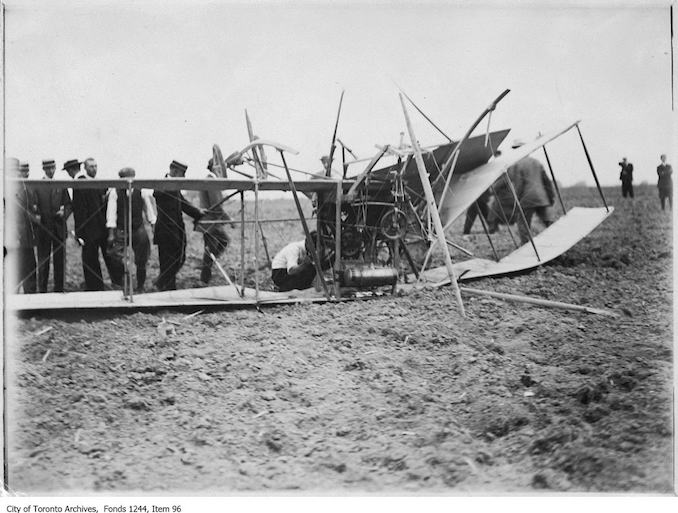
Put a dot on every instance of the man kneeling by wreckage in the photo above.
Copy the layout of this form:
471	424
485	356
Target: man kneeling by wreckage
292	267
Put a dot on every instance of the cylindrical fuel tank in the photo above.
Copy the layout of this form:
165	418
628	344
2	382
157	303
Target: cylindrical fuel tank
366	277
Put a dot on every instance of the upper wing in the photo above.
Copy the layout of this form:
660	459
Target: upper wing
465	188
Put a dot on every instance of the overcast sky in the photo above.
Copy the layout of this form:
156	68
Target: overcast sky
141	83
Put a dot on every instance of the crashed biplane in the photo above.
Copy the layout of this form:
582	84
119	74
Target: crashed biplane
377	227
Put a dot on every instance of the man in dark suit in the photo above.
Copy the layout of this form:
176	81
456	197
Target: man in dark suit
89	212
626	177
170	231
665	182
21	217
54	205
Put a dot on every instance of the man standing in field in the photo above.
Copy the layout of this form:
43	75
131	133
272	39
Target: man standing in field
534	190
665	182
626	177
21	219
292	268
117	216
54	205
214	235
170	231
89	213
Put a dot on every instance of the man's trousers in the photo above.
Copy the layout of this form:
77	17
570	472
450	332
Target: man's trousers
51	246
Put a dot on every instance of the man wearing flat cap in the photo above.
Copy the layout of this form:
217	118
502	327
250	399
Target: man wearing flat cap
170	231
54	205
534	190
89	213
21	218
117	215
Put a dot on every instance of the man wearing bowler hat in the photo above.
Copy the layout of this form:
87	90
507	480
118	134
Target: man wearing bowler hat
20	224
54	205
117	216
89	213
170	231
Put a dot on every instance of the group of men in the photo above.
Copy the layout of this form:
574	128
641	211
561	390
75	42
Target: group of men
664	180
36	219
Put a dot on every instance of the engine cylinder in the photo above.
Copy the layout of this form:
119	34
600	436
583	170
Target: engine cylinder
366	277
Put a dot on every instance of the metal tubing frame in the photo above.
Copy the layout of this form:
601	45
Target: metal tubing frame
337	240
553	177
593	171
242	242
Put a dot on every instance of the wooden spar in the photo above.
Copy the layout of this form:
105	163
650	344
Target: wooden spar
328	171
242	242
486	229
369	168
410	260
249	221
522	214
537	301
256	239
593	171
425	116
344	165
503	216
432	208
223	273
309	240
264	242
457	149
553	177
337	242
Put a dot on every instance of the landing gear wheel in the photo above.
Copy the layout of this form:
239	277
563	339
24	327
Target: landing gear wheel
393	224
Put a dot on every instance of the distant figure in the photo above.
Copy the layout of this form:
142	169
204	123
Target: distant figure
21	219
534	190
89	213
55	207
665	183
292	267
117	212
626	177
214	235
170	231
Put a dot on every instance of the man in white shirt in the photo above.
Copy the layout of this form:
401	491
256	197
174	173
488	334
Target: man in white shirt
292	268
117	211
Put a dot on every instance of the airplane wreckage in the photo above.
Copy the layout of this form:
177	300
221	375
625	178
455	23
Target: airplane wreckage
376	228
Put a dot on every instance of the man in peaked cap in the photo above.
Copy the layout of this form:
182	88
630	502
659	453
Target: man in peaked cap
117	213
20	224
170	231
54	205
89	213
